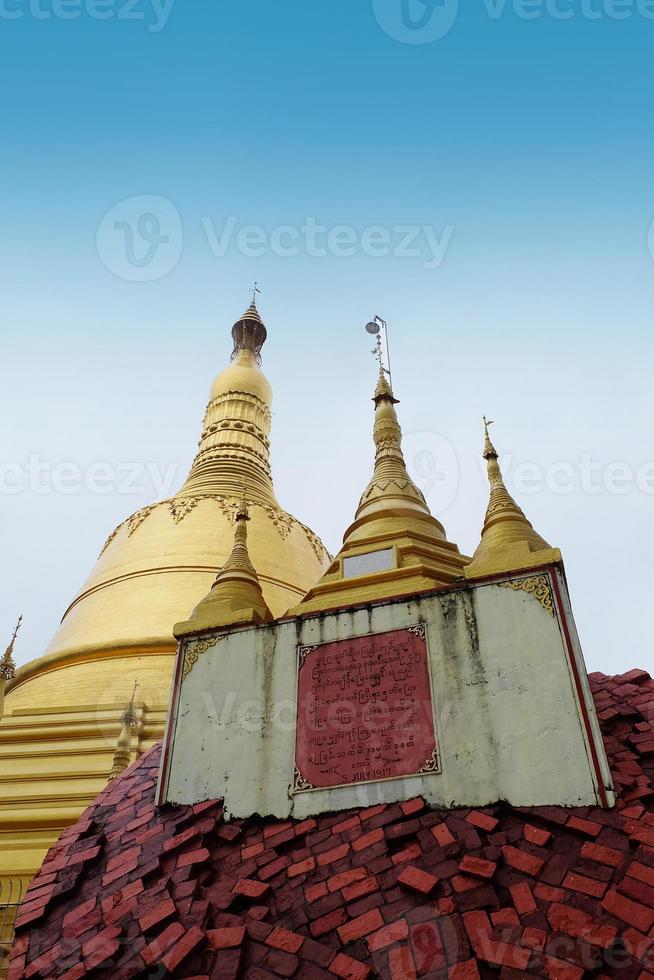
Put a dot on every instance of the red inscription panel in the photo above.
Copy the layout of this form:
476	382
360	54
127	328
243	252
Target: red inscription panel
365	710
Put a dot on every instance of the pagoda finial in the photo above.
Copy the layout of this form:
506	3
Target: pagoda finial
508	539
123	751
7	666
391	486
242	511
236	595
489	449
393	533
129	714
249	333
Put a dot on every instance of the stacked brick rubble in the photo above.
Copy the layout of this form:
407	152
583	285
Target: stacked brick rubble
395	891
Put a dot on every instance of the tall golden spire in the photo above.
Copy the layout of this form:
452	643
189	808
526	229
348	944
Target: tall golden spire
236	595
123	752
7	666
508	540
234	446
400	546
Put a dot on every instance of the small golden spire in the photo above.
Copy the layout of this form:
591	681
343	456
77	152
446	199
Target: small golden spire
236	595
392	517
123	752
490	452
7	665
508	540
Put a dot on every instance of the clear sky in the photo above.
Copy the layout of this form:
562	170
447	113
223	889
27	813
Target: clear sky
480	175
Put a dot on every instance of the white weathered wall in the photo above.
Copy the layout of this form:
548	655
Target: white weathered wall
508	718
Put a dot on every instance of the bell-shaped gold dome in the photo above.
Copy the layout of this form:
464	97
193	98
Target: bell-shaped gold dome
161	561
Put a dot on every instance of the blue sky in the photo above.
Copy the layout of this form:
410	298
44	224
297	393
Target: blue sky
517	151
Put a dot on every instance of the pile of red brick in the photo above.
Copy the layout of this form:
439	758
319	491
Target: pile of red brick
394	891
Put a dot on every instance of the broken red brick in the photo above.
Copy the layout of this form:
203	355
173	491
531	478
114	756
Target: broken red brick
226	938
522	861
482	820
367	840
587	886
348	969
588	827
183	948
419	881
362	926
477	866
522	898
401	965
280	938
633	913
339	881
327	923
603	855
536	835
336	854
301	868
464	971
388	935
251	888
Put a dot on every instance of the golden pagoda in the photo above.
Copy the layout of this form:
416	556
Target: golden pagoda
508	540
395	546
65	729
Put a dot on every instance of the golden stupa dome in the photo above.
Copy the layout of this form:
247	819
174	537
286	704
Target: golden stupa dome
159	563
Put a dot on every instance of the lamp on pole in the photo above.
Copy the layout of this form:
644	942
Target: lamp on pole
373	327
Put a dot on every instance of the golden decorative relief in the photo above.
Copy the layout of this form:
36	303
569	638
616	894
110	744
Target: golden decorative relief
320	551
282	521
109	540
193	652
419	630
181	507
137	519
538	587
228	506
300	783
431	764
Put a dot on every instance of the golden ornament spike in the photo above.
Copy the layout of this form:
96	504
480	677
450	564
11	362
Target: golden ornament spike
508	540
234	447
8	667
392	516
123	751
489	448
236	595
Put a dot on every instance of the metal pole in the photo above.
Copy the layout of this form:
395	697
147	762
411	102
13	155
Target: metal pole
388	350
